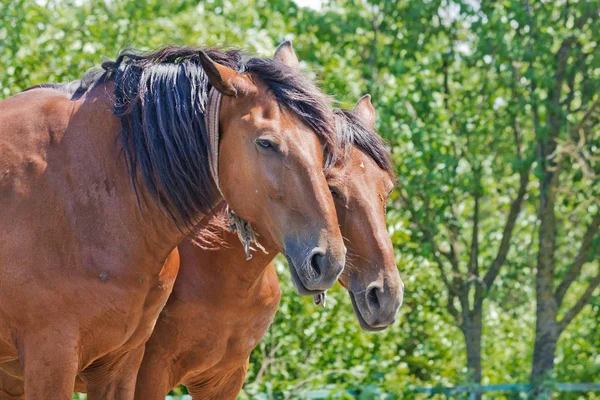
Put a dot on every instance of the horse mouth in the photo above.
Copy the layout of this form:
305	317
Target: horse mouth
361	320
300	288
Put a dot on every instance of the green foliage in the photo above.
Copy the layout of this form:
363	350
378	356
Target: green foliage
453	83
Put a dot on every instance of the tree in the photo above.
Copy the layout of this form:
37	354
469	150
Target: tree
566	140
480	92
551	49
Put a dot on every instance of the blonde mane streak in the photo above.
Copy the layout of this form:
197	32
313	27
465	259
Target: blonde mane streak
212	235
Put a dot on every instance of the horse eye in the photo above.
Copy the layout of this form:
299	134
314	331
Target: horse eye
266	144
334	192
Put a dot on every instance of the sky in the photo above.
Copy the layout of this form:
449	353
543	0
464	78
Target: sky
314	4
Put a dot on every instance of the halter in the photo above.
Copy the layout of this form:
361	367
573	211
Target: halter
243	228
213	110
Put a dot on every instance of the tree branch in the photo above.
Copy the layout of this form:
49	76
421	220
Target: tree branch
446	88
582	302
443	275
373	55
562	56
267	360
593	14
513	214
518	138
322	374
428	236
452	309
560	157
452	255
580	259
531	71
473	268
587	114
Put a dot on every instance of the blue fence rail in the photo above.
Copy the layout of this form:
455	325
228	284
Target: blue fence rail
471	390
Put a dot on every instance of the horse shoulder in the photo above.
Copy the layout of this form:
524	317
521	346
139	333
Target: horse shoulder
30	123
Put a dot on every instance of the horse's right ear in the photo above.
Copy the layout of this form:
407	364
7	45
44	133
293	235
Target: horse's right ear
285	54
365	110
226	80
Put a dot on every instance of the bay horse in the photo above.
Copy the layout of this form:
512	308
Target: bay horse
97	190
221	305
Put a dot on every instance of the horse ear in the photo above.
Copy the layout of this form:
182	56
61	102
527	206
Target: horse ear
226	80
285	54
365	110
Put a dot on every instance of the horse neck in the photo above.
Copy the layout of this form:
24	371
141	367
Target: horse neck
205	274
145	235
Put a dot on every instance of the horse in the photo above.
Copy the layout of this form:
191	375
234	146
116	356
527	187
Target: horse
97	190
211	322
203	331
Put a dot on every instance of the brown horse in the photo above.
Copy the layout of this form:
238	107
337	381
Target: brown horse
215	316
221	305
97	189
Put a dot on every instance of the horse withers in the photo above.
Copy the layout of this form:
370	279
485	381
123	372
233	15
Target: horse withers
92	204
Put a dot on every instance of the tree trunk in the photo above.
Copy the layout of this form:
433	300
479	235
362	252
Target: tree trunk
545	346
546	325
471	330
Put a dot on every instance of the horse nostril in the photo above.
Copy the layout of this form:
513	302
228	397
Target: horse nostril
316	262
373	301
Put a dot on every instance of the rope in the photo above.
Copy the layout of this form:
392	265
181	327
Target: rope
244	233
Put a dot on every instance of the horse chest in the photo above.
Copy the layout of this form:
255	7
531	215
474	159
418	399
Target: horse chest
245	334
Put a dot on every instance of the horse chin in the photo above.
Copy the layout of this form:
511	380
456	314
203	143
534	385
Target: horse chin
298	285
361	321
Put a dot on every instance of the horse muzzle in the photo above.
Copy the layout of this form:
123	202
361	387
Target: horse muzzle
313	270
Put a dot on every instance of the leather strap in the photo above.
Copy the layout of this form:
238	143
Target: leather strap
213	110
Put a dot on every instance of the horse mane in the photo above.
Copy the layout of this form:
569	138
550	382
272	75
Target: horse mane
161	100
76	88
68	88
353	132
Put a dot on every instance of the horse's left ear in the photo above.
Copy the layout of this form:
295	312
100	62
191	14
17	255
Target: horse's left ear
366	111
226	80
285	54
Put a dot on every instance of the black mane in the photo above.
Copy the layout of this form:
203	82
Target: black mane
352	131
161	99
